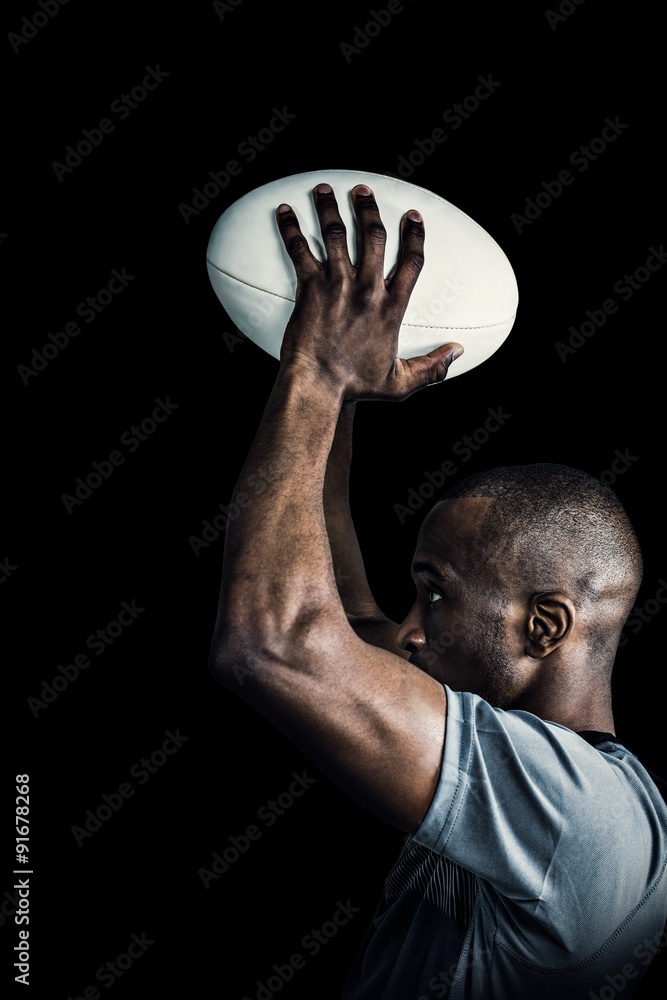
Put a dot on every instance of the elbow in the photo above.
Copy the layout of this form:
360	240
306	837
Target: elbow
248	657
232	662
230	657
265	631
239	652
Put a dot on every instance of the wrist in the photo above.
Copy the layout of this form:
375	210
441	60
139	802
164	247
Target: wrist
307	378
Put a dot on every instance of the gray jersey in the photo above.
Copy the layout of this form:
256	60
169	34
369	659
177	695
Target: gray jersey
537	874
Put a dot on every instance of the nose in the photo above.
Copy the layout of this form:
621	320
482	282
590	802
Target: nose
411	636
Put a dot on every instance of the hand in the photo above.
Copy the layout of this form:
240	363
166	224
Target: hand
347	317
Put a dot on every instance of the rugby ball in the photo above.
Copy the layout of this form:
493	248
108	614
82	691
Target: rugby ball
466	291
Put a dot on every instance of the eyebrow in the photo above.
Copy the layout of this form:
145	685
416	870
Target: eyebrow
424	566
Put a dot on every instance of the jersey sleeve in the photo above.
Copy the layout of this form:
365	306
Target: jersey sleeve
551	824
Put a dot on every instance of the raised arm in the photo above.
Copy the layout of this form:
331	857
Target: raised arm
363	614
366	717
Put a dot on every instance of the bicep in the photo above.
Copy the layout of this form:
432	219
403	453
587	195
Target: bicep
367	718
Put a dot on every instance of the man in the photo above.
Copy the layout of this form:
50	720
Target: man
535	862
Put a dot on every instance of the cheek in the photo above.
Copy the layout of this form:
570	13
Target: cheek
441	641
451	667
445	646
446	628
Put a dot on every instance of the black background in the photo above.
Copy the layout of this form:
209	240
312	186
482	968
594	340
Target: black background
166	335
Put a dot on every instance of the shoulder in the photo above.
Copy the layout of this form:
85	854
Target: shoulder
568	836
545	749
536	793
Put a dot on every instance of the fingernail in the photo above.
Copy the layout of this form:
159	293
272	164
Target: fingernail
414	216
324	189
363	190
282	209
457	352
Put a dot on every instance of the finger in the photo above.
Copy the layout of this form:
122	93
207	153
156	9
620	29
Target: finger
430	369
296	244
372	235
403	276
332	227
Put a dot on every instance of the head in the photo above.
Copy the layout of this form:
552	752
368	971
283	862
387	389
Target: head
525	576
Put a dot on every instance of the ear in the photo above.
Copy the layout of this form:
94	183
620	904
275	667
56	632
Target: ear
550	622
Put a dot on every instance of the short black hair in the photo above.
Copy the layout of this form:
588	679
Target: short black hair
559	520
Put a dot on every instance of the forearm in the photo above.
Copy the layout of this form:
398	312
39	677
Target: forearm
350	573
364	614
277	576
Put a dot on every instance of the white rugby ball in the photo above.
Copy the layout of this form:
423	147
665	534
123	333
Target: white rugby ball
466	291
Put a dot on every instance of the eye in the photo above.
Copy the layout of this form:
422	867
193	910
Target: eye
432	596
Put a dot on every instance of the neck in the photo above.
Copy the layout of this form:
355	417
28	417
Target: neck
577	706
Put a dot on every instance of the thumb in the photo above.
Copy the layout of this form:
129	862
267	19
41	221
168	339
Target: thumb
430	369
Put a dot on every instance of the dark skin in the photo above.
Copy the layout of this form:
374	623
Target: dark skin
362	698
479	626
